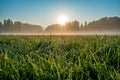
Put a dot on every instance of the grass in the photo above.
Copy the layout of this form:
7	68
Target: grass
60	57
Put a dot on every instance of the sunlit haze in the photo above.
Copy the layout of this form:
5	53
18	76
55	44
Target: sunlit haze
62	19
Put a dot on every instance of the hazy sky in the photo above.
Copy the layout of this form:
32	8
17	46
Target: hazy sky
46	12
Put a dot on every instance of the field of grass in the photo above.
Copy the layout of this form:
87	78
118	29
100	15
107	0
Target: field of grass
59	57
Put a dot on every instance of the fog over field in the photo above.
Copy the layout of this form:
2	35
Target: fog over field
66	33
103	26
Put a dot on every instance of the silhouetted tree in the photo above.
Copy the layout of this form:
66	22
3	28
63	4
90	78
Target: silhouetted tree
53	28
72	26
18	25
8	25
68	26
37	28
81	27
105	24
75	25
1	26
85	24
31	28
5	25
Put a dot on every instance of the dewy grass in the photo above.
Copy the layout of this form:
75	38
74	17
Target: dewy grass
60	57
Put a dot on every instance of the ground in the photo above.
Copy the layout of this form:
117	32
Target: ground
60	57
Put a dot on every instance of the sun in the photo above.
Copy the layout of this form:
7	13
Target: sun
62	19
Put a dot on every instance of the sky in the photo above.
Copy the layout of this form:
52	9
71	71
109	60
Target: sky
46	12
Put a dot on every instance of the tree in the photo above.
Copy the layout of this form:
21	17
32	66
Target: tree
5	25
75	25
17	26
85	24
53	28
0	26
81	26
68	26
105	24
37	28
8	25
29	28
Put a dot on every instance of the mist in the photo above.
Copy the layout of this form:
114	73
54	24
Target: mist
103	26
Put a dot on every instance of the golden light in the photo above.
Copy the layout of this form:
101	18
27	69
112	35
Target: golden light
62	19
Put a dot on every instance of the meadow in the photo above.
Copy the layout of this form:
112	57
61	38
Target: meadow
59	57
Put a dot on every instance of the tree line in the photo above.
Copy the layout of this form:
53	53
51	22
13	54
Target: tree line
103	24
10	26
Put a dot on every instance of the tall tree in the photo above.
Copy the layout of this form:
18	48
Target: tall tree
5	25
75	25
17	25
68	26
85	24
9	25
0	26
